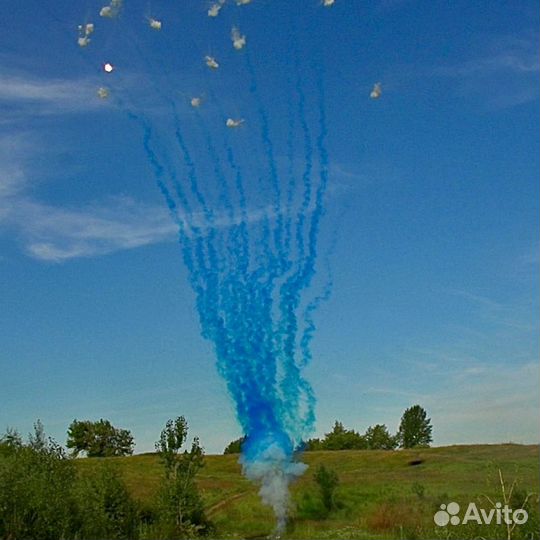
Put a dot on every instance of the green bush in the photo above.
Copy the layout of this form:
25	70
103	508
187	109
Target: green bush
310	507
43	498
106	509
36	490
327	481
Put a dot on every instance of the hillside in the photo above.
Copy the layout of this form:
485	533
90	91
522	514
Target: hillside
382	494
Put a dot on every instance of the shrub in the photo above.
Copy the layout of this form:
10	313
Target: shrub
311	507
106	507
327	481
36	490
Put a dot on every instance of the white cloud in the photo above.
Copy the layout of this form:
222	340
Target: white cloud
468	404
496	404
55	234
25	89
12	178
24	95
513	315
503	72
58	233
506	61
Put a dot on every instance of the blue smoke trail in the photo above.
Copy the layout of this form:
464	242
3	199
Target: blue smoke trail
256	353
248	277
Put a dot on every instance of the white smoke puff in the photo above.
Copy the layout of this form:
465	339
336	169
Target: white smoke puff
83	41
111	10
239	41
196	102
211	62
376	92
328	3
84	31
242	2
232	123
154	24
213	10
274	471
102	92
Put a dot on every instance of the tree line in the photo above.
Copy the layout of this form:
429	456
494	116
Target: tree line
101	439
45	497
415	430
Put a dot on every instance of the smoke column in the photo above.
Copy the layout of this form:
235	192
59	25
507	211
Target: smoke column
250	253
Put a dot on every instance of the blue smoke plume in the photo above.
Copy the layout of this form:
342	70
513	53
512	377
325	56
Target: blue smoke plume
249	293
249	267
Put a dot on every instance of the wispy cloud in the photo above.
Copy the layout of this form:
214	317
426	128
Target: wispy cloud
515	315
22	94
504	72
523	62
57	233
12	178
498	403
469	404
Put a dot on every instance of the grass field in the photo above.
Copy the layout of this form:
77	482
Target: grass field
382	494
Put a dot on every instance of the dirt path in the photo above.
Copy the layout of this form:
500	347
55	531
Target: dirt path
214	508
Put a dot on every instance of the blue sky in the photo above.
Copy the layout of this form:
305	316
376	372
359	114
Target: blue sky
433	201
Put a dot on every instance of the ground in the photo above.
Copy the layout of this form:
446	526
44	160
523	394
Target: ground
382	494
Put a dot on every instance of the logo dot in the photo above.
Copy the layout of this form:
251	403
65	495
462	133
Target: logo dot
443	506
441	518
452	508
454	520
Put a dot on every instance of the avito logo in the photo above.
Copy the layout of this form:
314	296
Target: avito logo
449	514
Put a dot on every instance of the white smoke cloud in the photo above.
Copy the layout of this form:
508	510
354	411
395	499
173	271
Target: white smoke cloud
274	471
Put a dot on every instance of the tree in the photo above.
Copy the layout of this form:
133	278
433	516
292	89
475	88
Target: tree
99	439
415	428
170	442
10	442
181	507
37	440
311	445
377	437
342	439
235	447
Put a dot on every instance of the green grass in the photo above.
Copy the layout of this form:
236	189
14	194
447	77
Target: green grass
380	494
